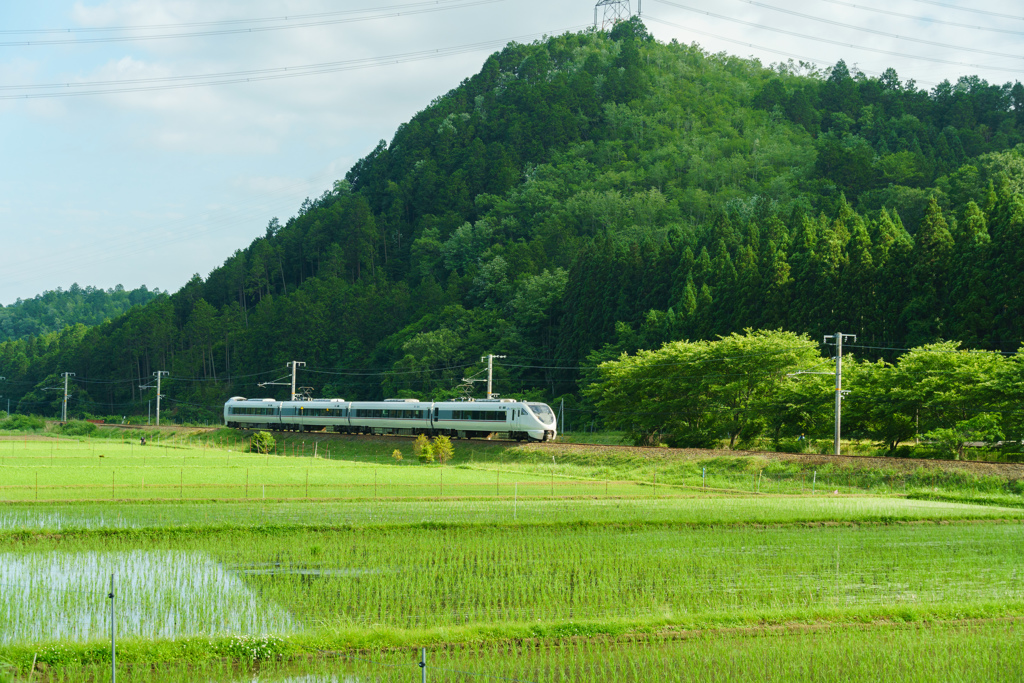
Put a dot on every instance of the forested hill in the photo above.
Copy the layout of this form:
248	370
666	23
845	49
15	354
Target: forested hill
595	189
54	310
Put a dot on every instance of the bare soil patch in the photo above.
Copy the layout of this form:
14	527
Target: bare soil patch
1009	470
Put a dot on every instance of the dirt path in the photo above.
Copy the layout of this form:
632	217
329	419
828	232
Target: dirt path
28	437
1000	469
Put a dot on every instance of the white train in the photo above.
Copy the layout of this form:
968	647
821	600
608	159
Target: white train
503	418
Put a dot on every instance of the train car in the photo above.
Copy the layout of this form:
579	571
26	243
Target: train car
485	418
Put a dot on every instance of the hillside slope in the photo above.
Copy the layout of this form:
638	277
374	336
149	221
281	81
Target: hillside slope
54	310
595	189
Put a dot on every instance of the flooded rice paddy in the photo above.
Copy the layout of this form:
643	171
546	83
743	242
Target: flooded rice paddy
159	594
255	582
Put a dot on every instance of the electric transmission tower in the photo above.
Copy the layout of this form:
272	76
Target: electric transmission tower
611	12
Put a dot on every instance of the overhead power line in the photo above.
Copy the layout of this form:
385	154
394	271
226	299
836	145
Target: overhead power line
397	11
876	32
219	22
970	9
930	20
820	39
763	48
69	89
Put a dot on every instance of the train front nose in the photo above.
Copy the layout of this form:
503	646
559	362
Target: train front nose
545	421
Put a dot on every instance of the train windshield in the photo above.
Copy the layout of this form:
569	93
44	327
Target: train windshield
542	412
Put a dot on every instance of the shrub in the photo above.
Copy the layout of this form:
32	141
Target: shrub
262	442
76	428
420	445
396	455
442	449
23	423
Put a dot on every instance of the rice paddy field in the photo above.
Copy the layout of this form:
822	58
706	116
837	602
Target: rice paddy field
352	566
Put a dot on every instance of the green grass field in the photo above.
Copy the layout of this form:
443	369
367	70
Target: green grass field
602	566
215	466
70	470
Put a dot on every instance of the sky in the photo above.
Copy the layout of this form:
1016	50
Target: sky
118	169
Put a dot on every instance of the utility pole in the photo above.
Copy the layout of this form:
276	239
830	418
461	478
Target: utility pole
159	375
837	338
64	404
294	365
490	373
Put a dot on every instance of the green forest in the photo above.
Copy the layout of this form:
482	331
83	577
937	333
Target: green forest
585	196
54	310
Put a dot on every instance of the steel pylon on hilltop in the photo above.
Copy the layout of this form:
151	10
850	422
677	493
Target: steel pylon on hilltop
611	12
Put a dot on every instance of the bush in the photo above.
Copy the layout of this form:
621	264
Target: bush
76	428
420	446
396	455
442	449
23	423
903	452
262	442
792	446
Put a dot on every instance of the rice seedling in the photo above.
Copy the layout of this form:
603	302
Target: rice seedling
414	578
694	510
985	651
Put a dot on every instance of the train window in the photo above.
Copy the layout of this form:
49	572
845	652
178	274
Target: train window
542	412
323	412
253	411
480	415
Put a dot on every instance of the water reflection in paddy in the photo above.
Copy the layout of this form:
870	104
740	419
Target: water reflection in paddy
160	594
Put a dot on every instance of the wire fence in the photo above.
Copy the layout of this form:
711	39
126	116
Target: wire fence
198	483
44	471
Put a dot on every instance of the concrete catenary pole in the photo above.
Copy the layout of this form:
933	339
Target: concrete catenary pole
838	339
295	365
490	373
64	403
159	374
